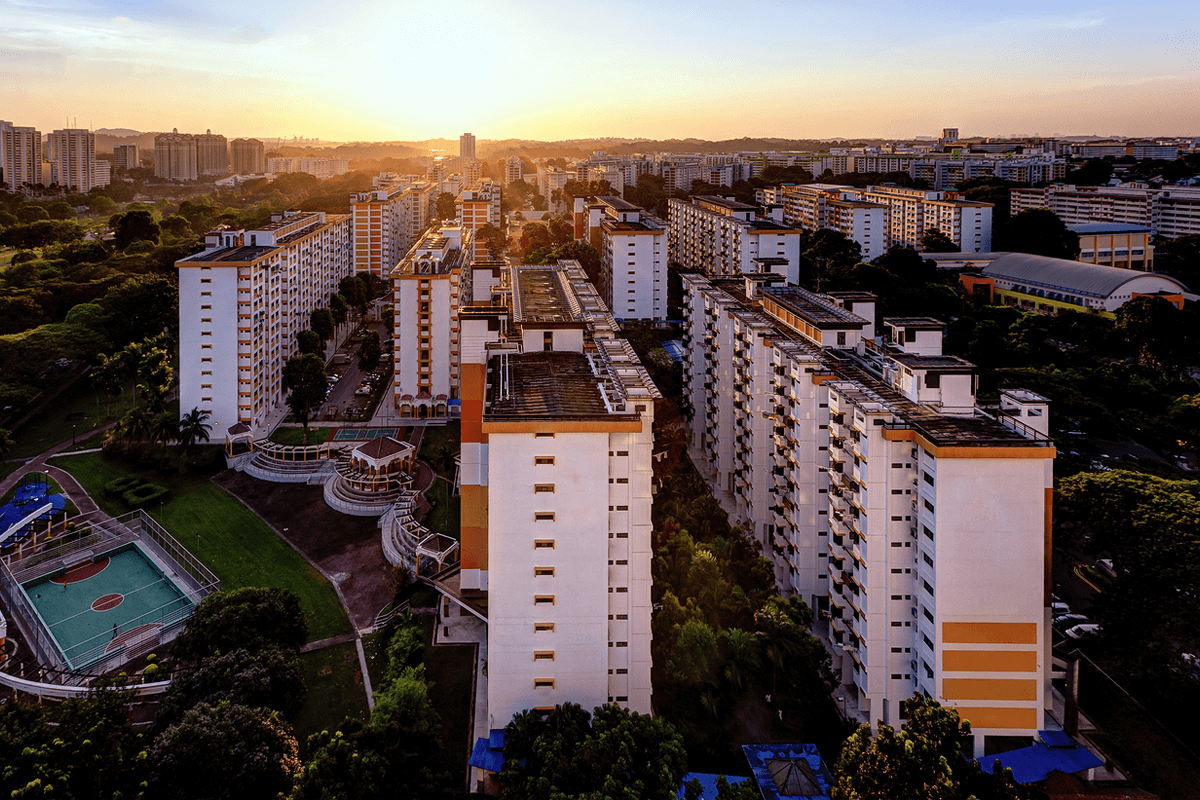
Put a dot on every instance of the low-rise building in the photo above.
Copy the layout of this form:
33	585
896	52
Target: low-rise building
1115	244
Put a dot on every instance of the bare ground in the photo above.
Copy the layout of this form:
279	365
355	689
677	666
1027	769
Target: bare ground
346	548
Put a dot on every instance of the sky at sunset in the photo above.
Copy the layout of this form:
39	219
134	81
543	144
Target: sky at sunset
401	70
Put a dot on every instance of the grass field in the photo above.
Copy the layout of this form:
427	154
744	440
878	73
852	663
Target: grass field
446	514
79	410
331	697
231	541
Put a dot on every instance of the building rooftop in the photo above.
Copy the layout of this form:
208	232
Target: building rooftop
617	204
812	308
539	295
543	385
1108	227
732	205
917	323
1092	280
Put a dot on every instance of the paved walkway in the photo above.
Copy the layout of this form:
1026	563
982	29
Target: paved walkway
70	486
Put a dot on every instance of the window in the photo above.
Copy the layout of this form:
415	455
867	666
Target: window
543	600
539	488
927	478
543	683
928	505
543	572
543	544
543	655
544	435
543	460
543	516
548	340
543	627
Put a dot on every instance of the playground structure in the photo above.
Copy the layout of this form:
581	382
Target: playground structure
32	505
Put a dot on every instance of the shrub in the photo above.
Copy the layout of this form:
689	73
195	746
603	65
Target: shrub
144	495
122	485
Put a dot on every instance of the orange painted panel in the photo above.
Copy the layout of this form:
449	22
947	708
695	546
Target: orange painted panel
1010	718
474	527
990	632
989	661
989	689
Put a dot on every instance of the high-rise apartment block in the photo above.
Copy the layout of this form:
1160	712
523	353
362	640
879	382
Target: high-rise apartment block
911	212
1169	211
514	170
425	299
212	154
915	521
721	237
557	418
242	300
175	156
820	205
388	219
125	156
20	155
73	159
248	157
321	168
633	260
476	206
466	145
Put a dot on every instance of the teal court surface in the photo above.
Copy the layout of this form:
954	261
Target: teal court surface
362	434
96	608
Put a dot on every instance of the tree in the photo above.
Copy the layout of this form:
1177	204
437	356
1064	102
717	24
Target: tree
134	226
176	226
826	249
321	322
351	288
534	236
193	428
164	428
934	241
249	618
1157	332
6	443
369	351
304	378
155	377
142	306
60	209
308	341
1040	232
407	733
445	206
561	231
568	753
345	763
494	238
1150	527
919	761
269	678
339	308
224	751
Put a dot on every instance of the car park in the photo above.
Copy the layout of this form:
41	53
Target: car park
1069	620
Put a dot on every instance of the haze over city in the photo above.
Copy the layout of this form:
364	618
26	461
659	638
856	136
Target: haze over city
539	70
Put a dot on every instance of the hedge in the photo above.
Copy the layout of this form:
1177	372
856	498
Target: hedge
144	495
122	485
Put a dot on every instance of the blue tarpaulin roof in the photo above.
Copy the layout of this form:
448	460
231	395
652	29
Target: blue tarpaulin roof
788	771
708	784
674	349
1035	763
485	757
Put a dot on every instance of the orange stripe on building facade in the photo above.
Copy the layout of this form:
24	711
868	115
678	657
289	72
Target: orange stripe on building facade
989	689
989	661
565	426
985	717
989	632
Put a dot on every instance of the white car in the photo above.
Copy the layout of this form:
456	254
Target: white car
1086	629
363	391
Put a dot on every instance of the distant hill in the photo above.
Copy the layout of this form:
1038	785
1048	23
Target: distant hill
119	132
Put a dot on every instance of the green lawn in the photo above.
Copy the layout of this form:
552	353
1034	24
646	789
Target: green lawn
293	436
331	697
439	445
52	425
446	514
449	670
235	544
375	649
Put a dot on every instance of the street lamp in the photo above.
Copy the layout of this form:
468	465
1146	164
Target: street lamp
842	700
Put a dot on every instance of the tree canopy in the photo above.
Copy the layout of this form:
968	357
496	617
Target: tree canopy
304	378
249	618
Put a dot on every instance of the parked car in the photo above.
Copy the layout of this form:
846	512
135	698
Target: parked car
363	391
1058	608
1086	629
1069	620
1107	565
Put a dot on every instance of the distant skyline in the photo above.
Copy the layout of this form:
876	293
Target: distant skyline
531	69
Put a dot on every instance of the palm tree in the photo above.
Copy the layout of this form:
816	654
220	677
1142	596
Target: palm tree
164	428
744	658
109	375
193	428
136	425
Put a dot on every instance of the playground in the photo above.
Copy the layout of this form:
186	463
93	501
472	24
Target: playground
31	507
